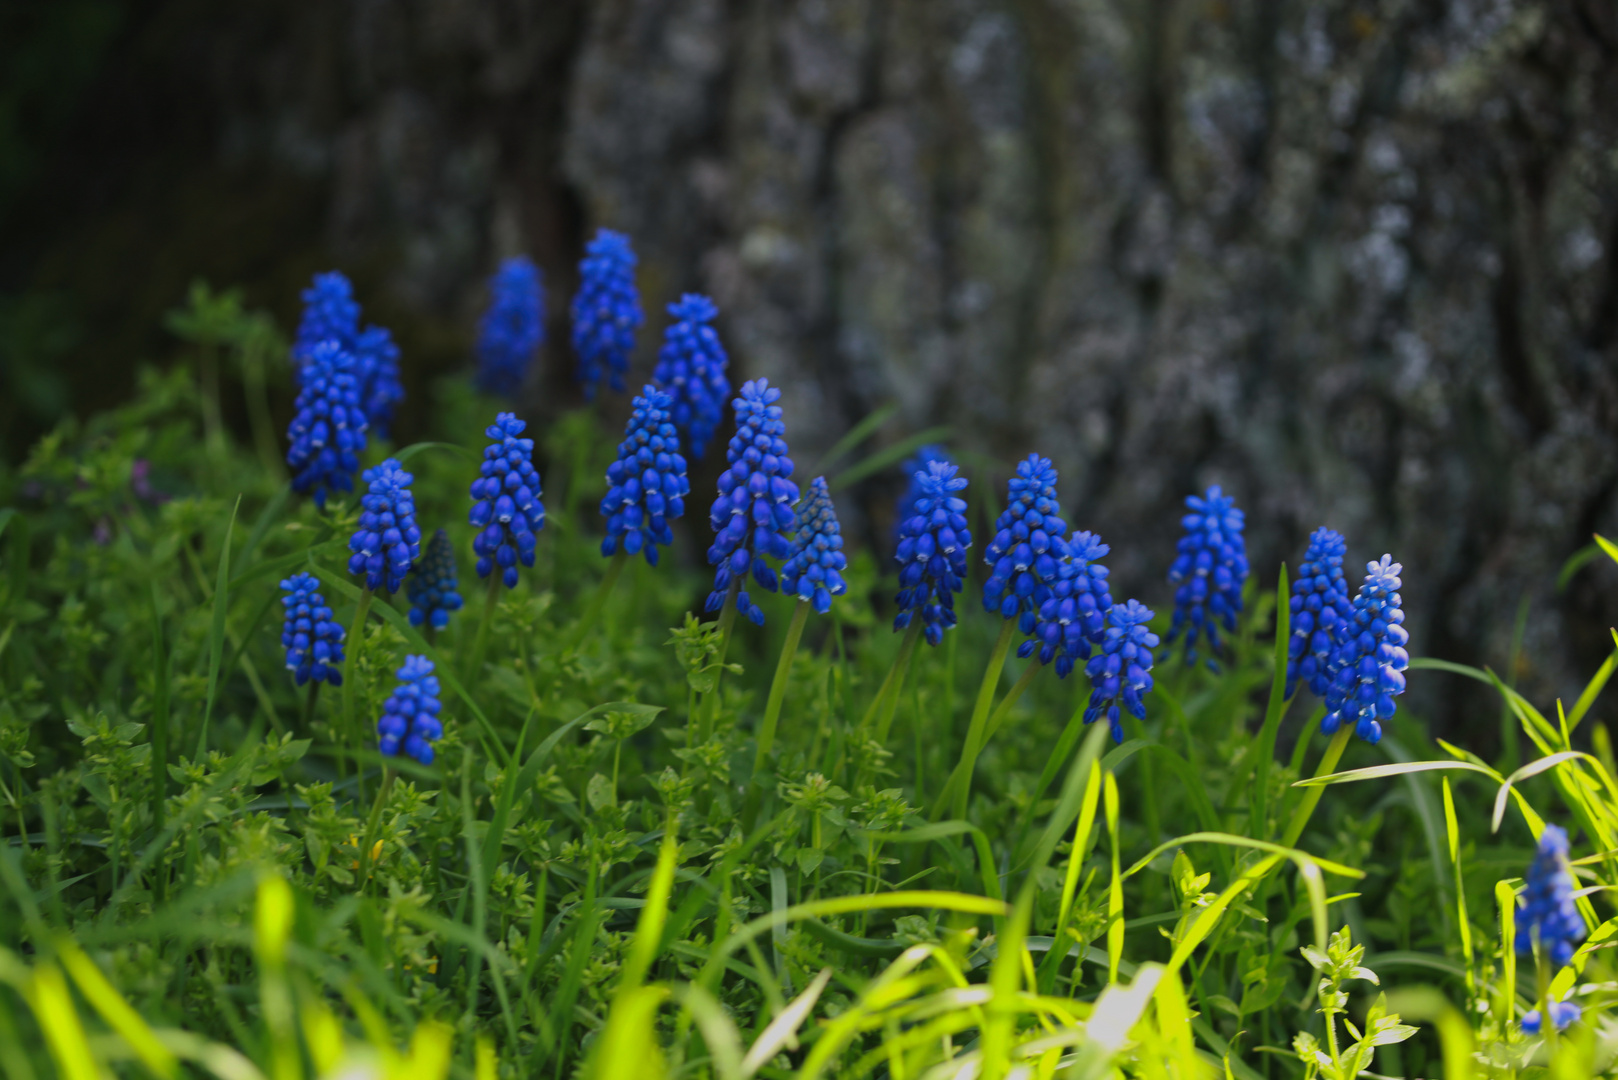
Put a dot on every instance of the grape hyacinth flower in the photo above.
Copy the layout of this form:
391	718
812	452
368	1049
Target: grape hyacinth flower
330	313
691	365
1073	618
814	569
1547	916
433	584
1121	671
512	329
311	637
507	507
606	311
1028	542
932	552
387	540
1563	1014
1367	666
410	715
647	485
1210	570
1320	609
380	387
911	467
753	514
328	425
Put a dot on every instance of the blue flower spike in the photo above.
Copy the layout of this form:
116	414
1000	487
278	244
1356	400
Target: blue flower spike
1072	619
409	719
753	514
906	508
647	485
387	541
380	387
1367	666
1210	570
1320	610
512	329
606	312
1547	916
1029	541
506	505
434	584
1563	1015
330	313
813	571
691	366
328	425
311	637
1121	672
932	552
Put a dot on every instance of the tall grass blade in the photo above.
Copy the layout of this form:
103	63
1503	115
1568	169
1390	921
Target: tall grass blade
1275	711
216	633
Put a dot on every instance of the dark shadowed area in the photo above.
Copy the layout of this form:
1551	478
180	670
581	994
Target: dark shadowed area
1357	262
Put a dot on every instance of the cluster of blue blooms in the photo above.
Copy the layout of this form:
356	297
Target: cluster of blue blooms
512	329
813	571
1367	666
1210	570
1027	547
932	552
506	503
328	425
691	365
1053	584
1320	609
409	719
1073	618
387	541
434	584
1121	672
647	485
310	635
1548	919
752	516
331	314
915	469
606	311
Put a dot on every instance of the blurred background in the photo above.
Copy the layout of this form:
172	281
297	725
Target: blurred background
1355	261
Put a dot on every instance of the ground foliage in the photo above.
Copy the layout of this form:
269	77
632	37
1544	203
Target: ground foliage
202	870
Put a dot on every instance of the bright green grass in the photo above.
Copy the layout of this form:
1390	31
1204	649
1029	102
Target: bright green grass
197	875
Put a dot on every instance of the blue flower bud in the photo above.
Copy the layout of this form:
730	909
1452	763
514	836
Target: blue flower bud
814	569
507	503
691	366
1210	569
1120	673
755	489
932	552
328	425
310	635
647	485
409	720
1366	668
606	311
512	329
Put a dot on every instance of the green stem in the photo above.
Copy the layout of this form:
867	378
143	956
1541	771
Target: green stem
901	668
213	428
1547	1026
980	717
961	785
1311	797
160	725
490	601
727	625
599	601
355	636
309	705
371	825
772	711
258	412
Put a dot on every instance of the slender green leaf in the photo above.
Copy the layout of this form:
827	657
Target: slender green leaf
885	458
216	633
